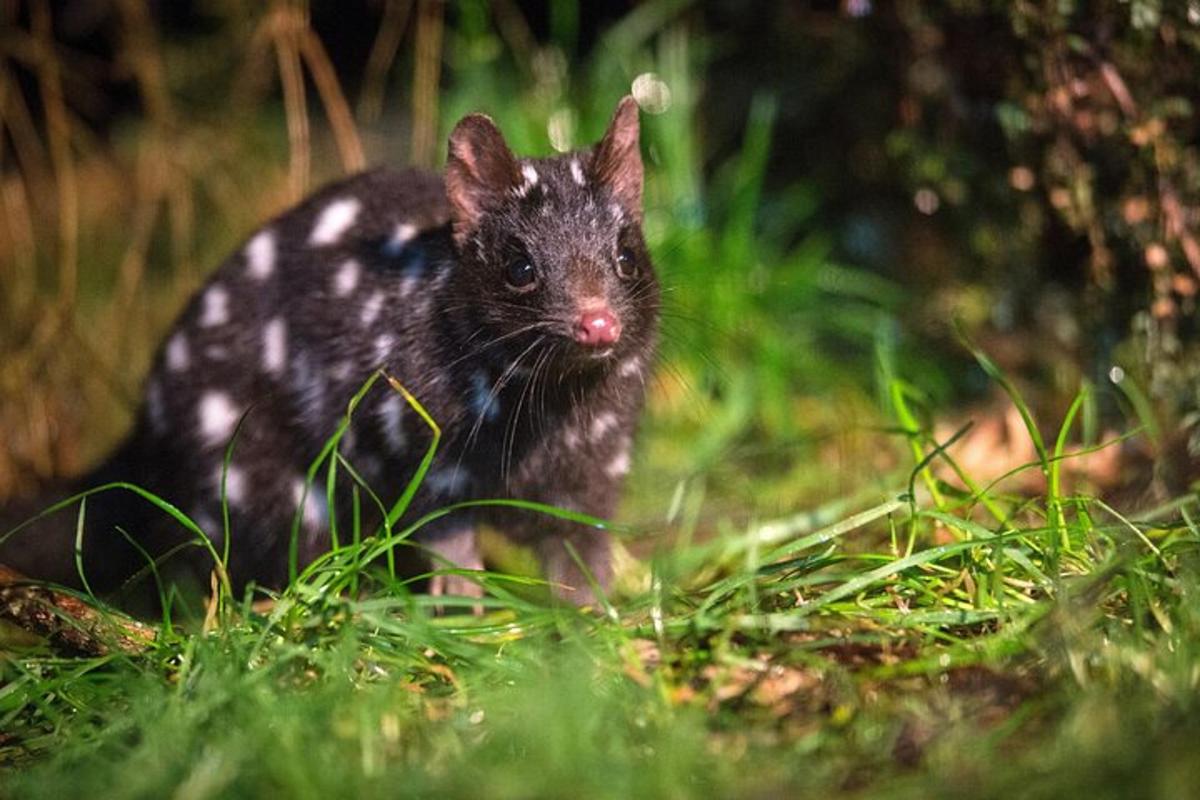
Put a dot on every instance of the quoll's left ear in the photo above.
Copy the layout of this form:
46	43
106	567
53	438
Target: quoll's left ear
617	160
479	170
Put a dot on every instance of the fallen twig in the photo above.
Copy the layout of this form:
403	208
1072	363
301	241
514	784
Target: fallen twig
67	622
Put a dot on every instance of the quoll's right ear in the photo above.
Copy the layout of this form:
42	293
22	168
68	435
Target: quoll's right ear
617	159
479	171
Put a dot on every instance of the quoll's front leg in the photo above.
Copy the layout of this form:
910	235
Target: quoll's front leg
454	546
568	580
583	475
552	540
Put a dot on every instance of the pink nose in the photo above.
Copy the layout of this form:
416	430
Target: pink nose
597	327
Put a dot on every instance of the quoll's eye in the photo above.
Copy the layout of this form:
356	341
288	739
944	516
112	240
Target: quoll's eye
520	274
626	264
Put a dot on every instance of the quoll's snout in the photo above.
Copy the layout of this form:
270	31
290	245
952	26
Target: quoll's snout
597	326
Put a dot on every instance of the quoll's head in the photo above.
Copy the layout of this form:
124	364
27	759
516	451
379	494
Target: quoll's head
553	246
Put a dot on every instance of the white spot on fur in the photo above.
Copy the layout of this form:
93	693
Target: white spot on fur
391	420
178	355
405	232
531	180
447	481
409	284
216	307
235	483
617	214
309	387
619	466
440	277
483	401
207	525
384	344
274	354
577	172
260	256
630	367
217	416
346	278
341	373
371	308
572	439
155	408
335	219
602	424
315	510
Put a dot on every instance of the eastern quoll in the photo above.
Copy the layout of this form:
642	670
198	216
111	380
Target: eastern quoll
515	299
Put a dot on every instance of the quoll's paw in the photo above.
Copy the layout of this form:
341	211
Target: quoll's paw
568	581
456	586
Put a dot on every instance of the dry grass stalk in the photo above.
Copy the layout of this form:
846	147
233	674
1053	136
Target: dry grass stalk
31	155
14	209
69	623
286	21
337	110
383	54
514	28
58	131
160	179
427	74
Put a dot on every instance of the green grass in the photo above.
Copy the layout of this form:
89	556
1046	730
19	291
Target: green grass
806	605
726	684
913	647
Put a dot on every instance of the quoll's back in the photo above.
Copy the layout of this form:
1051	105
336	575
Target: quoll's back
514	298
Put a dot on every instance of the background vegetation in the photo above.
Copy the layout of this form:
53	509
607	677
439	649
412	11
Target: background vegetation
912	512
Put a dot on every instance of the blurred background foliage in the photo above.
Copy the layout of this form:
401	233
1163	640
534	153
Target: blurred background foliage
837	191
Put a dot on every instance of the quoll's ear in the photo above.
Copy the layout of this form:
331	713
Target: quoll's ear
617	159
479	170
